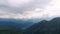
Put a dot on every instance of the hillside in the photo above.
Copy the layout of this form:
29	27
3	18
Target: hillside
45	27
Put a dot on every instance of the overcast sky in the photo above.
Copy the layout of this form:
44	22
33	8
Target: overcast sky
28	9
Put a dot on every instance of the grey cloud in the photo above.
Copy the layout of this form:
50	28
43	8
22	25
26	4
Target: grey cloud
25	7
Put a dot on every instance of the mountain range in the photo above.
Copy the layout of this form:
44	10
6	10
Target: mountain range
28	27
45	27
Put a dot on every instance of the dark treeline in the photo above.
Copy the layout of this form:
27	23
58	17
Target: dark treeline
10	31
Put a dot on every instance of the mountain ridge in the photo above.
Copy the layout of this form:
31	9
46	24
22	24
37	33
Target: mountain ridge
45	27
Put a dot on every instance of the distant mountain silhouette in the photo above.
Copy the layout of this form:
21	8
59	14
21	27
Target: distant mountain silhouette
9	26
45	27
15	23
13	26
